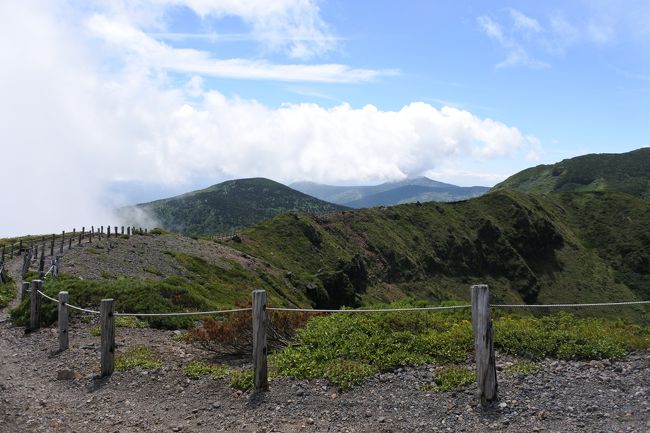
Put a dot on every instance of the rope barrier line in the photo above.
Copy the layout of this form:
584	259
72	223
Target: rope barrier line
604	304
74	307
189	313
381	310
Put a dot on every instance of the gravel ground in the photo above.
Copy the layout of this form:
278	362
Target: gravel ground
597	396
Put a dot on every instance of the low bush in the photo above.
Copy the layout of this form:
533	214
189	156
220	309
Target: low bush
137	356
7	291
196	369
347	348
241	379
233	334
450	378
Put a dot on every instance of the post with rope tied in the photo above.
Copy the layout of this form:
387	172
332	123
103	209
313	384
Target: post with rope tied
35	306
107	317
63	321
260	323
486	373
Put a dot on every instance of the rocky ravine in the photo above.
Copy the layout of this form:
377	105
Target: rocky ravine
598	396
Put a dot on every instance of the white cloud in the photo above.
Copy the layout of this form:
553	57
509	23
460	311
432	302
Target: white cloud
151	53
516	52
524	22
294	26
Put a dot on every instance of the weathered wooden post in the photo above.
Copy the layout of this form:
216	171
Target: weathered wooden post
122	231
35	305
128	231
116	232
41	267
81	234
90	234
63	321
108	232
62	242
260	322
20	247
72	237
486	373
107	319
52	246
23	290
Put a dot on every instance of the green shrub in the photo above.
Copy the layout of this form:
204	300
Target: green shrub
196	369
450	378
522	368
7	292
346	348
137	356
241	380
565	337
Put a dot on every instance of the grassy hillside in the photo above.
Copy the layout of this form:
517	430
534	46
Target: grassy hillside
390	193
560	248
228	206
625	172
567	247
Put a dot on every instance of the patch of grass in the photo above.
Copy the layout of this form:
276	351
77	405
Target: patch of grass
196	369
7	292
130	322
241	380
348	348
523	368
138	356
120	322
565	337
451	378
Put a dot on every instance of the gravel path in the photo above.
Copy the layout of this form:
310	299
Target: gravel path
598	396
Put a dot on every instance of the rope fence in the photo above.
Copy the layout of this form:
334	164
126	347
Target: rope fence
481	325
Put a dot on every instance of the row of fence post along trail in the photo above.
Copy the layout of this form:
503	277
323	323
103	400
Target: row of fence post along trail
29	249
481	322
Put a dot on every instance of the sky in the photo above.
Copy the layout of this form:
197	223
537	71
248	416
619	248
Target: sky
105	103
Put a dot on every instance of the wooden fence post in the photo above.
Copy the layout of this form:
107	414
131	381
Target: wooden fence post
108	232
23	290
128	231
108	336
81	234
72	237
41	267
486	373
62	241
35	305
52	247
122	231
3	253
260	322
20	247
90	234
63	321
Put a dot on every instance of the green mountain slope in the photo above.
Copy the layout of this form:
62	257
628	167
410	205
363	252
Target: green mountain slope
562	248
625	172
227	206
390	193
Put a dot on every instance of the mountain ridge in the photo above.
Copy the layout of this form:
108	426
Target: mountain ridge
409	190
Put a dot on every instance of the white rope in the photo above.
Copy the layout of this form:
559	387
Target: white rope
74	307
191	313
382	310
48	271
45	296
604	304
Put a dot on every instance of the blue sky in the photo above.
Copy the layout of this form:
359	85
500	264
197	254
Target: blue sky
136	100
